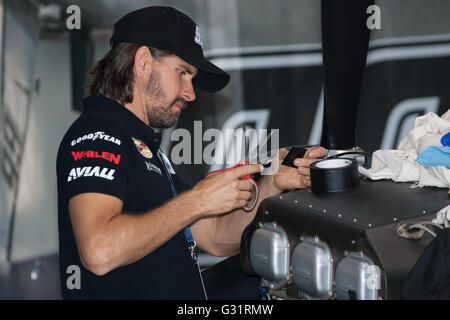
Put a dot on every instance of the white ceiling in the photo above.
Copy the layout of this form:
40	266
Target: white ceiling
104	13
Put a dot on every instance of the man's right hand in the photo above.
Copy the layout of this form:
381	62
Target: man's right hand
224	192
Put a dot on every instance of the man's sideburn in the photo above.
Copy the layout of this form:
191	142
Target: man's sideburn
159	116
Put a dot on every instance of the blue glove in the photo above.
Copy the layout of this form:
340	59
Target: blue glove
445	140
435	156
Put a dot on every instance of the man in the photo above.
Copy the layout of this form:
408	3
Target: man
123	212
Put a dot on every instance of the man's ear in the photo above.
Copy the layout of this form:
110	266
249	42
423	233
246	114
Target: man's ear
143	60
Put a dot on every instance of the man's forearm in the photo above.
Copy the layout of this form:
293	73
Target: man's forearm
127	237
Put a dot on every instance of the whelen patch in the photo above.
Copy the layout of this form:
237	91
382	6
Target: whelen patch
142	148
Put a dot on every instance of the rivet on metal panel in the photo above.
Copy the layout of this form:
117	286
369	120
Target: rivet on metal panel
370	225
424	212
339	215
355	220
296	201
324	210
395	219
310	206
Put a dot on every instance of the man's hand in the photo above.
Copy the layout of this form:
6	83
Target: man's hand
224	192
296	178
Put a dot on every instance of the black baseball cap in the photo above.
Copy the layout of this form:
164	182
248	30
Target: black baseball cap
168	29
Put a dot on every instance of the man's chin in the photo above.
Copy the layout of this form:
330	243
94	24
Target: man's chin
164	123
169	124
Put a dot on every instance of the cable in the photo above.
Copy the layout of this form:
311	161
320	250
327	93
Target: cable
437	225
422	227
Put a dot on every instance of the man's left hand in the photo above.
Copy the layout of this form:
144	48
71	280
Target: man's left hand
299	177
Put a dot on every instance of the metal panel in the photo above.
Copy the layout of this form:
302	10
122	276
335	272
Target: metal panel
357	278
19	47
312	268
270	255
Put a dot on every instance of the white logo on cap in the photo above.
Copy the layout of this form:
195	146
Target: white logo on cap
198	37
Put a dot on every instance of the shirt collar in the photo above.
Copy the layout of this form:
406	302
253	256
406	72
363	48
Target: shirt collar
120	112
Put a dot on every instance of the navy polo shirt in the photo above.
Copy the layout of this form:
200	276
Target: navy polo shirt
109	150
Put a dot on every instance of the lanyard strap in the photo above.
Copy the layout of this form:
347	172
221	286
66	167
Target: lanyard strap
187	231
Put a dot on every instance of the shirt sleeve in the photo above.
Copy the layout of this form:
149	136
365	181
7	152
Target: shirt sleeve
92	158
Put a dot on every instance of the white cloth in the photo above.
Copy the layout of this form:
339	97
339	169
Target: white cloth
400	165
443	217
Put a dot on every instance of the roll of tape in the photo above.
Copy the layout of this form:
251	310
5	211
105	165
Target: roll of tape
334	175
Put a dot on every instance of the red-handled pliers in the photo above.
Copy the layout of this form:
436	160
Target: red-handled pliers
241	163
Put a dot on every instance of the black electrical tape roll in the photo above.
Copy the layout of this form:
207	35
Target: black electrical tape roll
334	175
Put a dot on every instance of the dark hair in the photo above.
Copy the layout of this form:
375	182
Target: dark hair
113	75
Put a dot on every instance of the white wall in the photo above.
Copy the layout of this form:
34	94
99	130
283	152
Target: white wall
35	231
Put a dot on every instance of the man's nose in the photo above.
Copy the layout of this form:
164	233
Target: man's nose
188	92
